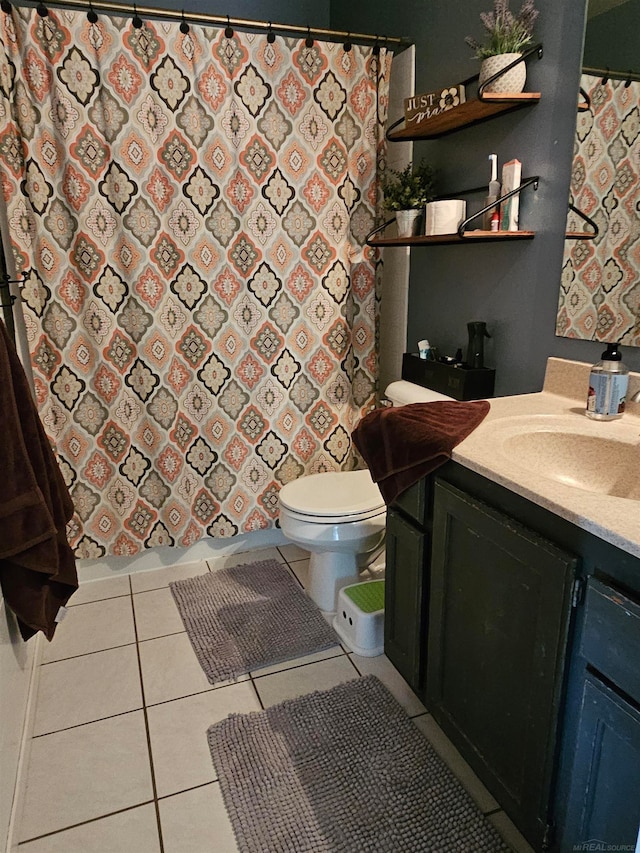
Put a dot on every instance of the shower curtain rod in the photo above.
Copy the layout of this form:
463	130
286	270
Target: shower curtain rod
608	72
204	18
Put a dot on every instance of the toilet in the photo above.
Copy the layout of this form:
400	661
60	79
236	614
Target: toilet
340	516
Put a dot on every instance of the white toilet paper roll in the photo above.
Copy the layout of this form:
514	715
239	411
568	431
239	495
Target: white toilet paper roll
444	217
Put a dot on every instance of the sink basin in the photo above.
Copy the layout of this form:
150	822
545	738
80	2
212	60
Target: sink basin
574	452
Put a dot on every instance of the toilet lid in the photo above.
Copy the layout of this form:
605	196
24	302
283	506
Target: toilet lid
333	493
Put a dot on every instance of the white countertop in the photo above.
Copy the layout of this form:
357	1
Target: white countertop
614	519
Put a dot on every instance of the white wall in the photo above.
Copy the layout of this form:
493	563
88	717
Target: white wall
395	271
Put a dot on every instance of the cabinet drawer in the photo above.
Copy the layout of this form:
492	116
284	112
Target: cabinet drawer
611	636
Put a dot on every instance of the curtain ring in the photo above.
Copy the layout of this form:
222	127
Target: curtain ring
271	36
91	14
184	26
376	48
308	42
5	6
347	45
228	32
627	82
136	21
605	77
42	10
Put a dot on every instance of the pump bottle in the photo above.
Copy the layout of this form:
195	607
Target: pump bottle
608	382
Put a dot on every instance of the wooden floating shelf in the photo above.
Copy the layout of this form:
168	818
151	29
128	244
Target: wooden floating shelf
468	113
443	239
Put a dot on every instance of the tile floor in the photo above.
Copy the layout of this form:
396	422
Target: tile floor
119	761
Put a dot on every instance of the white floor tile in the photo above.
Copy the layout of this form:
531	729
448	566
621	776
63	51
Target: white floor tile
458	766
156	614
305	679
170	669
226	561
143	581
92	628
196	822
178	731
332	652
101	766
383	669
133	830
87	688
290	551
300	568
98	590
86	772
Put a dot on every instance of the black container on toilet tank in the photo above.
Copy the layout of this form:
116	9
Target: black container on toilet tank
475	350
469	380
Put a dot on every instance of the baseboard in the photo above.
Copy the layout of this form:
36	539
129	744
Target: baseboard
25	747
158	558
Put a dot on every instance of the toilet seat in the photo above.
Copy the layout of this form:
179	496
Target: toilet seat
333	497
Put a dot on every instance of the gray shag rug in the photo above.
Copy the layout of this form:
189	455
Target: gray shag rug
247	617
342	771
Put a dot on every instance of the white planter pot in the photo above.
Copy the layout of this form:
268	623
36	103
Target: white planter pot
408	222
512	81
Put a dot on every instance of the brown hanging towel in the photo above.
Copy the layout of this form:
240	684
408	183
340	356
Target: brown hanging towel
403	444
37	566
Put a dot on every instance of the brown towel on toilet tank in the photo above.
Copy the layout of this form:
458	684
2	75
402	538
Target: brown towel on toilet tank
37	566
403	444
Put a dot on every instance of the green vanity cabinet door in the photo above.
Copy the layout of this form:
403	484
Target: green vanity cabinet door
500	605
404	622
604	803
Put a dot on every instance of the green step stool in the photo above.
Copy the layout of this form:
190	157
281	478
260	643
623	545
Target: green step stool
359	619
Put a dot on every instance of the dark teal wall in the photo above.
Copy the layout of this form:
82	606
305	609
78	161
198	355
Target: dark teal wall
613	39
513	286
314	13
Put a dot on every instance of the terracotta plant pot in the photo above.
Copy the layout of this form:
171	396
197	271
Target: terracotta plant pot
512	81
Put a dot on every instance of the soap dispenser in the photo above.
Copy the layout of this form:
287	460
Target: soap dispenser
608	383
475	350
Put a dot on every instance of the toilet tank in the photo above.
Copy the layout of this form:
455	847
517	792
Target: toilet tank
402	392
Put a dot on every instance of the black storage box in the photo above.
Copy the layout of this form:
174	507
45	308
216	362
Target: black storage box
461	383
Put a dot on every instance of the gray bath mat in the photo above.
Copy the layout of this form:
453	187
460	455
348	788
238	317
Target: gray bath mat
342	771
247	617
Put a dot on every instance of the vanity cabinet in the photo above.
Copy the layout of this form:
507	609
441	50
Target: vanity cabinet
408	547
604	800
405	590
520	632
604	790
499	612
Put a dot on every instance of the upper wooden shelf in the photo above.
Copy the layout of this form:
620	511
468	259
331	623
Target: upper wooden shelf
469	113
468	237
579	235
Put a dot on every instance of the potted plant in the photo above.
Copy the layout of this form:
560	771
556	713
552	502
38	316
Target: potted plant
508	35
406	192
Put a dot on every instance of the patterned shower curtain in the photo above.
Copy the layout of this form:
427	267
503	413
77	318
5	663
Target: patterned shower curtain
600	292
188	213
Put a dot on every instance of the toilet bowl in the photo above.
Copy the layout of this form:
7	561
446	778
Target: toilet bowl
339	516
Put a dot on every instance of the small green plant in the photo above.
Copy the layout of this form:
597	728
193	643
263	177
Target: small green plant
508	33
408	189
